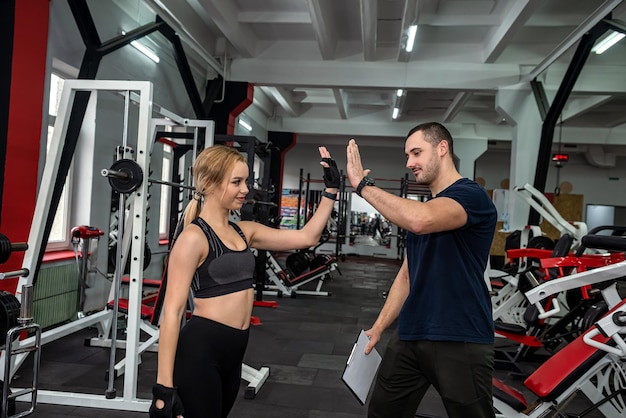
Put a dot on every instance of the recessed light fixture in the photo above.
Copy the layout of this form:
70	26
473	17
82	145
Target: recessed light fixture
245	125
396	113
399	93
411	38
607	42
144	50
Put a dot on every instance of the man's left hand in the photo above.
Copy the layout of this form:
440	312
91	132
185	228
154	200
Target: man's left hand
354	167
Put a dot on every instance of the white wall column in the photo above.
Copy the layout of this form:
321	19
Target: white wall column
468	150
518	106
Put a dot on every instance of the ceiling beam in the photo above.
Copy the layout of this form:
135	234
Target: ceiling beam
274	17
619	122
224	15
576	107
262	102
321	14
378	124
284	99
455	107
387	74
514	19
342	103
596	79
369	28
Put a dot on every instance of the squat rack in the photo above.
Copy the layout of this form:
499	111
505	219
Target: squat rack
59	151
62	147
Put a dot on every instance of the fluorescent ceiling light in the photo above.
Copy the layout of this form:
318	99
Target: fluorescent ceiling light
607	42
399	93
146	51
245	125
396	113
411	38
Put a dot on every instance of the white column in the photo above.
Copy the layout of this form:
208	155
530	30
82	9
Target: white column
518	106
468	150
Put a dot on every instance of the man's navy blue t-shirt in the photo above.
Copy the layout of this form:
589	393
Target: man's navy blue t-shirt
449	299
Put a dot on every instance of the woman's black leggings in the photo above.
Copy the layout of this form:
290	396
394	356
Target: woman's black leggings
207	370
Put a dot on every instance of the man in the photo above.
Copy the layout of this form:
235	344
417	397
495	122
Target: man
445	330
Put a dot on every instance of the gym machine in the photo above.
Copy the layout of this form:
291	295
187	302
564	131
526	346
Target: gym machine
540	203
311	197
134	246
515	319
83	236
16	318
591	365
286	283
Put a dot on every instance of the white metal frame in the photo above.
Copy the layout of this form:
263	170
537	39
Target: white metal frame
141	91
128	400
542	205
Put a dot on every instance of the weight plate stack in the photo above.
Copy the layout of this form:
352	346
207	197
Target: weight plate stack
9	312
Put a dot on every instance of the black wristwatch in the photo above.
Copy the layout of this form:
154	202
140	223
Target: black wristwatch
366	181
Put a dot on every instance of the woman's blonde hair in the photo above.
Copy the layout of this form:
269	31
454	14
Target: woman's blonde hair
209	170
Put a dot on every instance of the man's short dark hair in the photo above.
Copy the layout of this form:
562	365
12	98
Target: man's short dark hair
434	133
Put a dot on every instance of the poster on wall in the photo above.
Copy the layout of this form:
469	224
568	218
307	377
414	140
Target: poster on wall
289	209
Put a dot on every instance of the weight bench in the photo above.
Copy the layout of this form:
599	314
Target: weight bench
284	284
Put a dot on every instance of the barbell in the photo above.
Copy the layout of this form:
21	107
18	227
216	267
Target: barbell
125	176
7	247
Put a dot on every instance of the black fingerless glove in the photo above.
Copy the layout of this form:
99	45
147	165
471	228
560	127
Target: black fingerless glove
173	406
332	178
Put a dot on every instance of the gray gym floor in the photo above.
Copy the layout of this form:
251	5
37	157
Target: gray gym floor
305	342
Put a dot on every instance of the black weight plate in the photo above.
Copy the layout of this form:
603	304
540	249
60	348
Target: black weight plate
297	263
5	248
318	261
134	176
9	312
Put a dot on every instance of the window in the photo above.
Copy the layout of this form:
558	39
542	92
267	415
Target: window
166	175
59	234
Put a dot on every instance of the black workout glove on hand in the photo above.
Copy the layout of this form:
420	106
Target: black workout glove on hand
331	174
173	406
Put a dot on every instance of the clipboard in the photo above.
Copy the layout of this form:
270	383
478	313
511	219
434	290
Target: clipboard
361	369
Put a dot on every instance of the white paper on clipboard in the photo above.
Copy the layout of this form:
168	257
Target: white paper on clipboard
361	369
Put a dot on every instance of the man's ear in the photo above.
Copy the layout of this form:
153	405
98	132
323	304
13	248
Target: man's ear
444	148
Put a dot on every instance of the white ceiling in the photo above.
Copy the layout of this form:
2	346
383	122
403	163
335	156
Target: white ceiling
332	67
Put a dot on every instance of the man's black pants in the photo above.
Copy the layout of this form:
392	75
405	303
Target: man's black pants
460	372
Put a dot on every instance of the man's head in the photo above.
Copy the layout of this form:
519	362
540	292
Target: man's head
434	133
426	148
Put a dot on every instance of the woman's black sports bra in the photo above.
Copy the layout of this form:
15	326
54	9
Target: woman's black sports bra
224	270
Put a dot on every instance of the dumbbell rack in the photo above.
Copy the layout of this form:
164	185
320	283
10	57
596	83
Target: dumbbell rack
24	324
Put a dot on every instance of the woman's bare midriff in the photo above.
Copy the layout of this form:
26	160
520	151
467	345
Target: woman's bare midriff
233	309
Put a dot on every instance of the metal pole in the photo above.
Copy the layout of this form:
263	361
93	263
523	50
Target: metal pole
119	268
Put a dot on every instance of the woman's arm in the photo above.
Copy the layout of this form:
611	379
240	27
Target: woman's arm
266	238
190	247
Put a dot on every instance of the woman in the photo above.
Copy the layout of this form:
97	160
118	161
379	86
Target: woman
199	366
